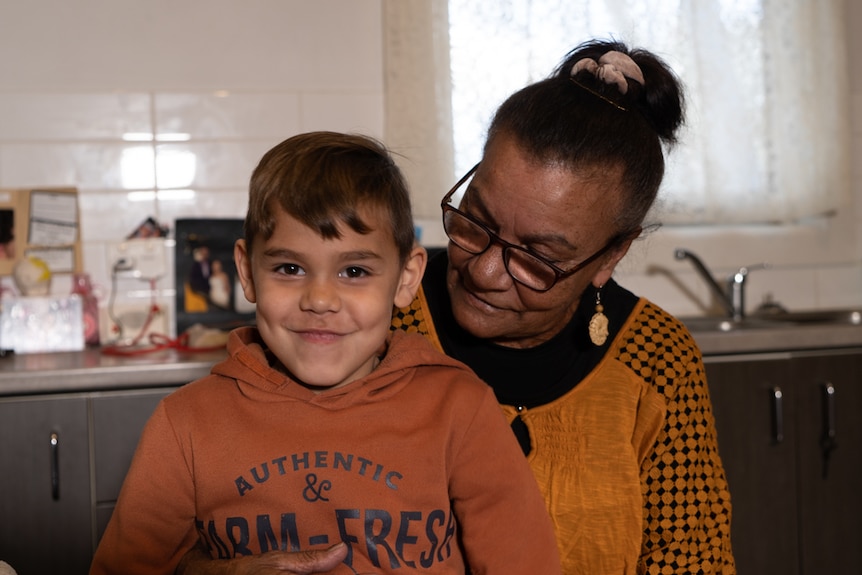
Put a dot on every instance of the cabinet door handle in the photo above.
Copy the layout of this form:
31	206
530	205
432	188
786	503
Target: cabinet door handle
55	465
828	441
777	414
829	431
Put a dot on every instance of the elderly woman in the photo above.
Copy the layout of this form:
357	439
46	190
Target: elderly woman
605	391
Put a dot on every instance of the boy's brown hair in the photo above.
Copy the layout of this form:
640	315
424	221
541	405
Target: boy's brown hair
322	179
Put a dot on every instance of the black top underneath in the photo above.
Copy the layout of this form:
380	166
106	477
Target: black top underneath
533	376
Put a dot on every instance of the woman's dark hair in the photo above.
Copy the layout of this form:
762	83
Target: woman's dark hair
589	125
322	179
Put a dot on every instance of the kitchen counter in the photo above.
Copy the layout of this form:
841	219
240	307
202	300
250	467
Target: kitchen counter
92	370
776	336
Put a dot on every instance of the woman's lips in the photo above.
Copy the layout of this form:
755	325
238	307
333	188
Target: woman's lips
477	301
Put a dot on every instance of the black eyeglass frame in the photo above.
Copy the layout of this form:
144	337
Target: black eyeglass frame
493	238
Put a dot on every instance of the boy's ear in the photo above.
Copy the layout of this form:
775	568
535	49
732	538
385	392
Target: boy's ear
242	259
411	276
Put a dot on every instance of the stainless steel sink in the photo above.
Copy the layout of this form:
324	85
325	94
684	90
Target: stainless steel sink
824	316
722	324
776	320
777	331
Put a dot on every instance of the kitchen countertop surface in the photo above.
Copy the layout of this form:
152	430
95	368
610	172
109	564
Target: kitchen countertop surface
779	337
92	370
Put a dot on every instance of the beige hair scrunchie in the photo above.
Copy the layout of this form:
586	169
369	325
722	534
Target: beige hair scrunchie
612	68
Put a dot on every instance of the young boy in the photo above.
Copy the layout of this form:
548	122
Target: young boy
323	426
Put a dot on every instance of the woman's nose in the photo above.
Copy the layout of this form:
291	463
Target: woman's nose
488	271
320	296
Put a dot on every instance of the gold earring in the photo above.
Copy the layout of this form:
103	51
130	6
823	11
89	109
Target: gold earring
599	322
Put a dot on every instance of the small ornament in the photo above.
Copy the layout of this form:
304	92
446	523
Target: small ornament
599	323
32	276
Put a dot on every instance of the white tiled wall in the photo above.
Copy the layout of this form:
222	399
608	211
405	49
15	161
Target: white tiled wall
159	109
220	81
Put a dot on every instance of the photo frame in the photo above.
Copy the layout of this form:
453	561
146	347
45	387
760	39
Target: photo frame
208	291
42	223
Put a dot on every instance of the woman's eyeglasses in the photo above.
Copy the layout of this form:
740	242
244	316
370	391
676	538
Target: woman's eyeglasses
525	267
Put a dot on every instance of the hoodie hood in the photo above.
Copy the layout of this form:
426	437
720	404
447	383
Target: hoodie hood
256	371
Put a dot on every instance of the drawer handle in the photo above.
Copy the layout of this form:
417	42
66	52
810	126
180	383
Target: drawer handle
828	440
777	415
55	465
829	431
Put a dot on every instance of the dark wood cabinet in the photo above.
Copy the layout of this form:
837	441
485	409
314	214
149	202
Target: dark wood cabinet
829	462
45	485
118	420
63	458
790	438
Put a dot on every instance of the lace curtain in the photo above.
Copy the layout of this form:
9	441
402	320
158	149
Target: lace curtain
767	138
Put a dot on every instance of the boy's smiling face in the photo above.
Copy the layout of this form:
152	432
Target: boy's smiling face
324	306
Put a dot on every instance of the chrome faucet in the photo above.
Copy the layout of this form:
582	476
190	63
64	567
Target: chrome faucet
732	298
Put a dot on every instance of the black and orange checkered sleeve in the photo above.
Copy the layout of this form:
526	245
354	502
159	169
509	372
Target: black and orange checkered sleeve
416	319
686	498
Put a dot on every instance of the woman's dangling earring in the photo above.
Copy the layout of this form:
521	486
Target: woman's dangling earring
599	321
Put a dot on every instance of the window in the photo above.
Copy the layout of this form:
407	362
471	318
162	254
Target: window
767	136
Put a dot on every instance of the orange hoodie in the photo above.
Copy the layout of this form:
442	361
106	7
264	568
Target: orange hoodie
413	466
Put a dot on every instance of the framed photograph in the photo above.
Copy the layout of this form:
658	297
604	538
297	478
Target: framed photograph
10	229
207	286
42	223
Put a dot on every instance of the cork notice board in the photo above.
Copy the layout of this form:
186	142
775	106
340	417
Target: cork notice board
41	223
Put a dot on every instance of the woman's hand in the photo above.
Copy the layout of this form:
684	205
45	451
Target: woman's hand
197	562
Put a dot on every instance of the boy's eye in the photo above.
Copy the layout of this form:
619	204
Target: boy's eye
289	269
354	272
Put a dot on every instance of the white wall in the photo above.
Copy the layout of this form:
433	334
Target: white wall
237	77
